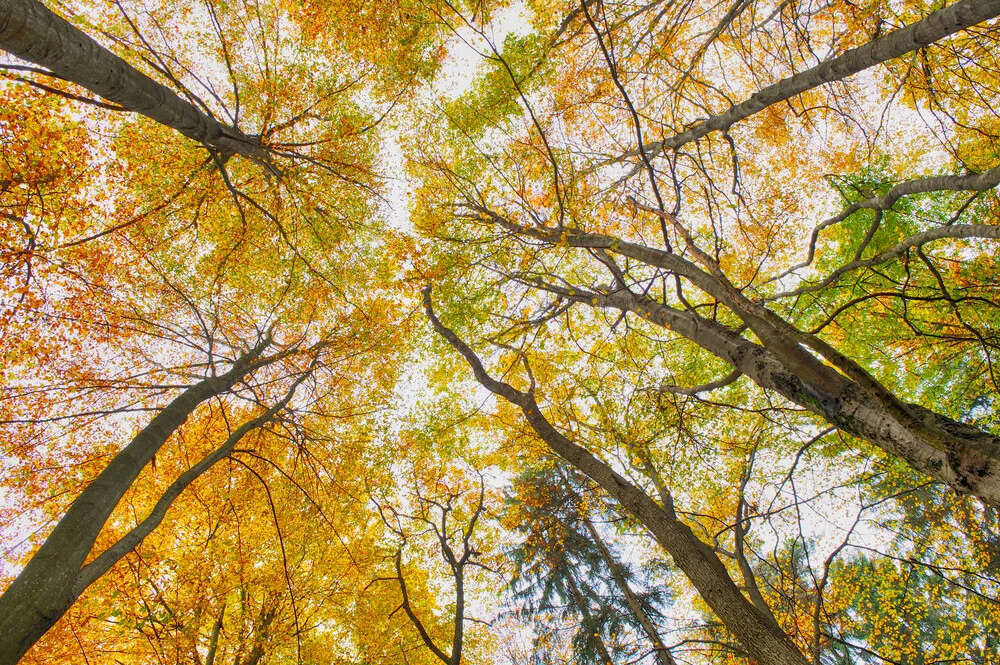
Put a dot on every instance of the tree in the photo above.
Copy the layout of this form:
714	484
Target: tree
565	567
432	487
185	344
732	262
686	242
799	365
37	35
435	516
755	627
65	565
34	33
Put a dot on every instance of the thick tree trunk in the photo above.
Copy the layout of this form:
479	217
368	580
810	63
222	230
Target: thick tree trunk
963	466
965	458
933	27
756	633
31	32
47	586
962	456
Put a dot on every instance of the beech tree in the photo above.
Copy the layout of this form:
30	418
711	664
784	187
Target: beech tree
56	574
732	263
127	324
797	364
435	516
34	33
557	202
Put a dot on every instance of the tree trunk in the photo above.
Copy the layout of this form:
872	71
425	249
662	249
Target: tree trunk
458	636
582	606
47	586
933	27
213	638
966	458
961	463
31	32
756	633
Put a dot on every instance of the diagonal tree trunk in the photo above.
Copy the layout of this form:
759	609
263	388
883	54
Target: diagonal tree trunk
583	607
933	27
964	457
966	463
55	575
756	633
663	656
31	32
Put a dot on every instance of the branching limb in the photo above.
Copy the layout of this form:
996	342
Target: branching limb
957	231
932	28
979	182
695	559
703	388
414	619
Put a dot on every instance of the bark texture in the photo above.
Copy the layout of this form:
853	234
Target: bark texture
933	27
31	32
756	633
48	585
966	458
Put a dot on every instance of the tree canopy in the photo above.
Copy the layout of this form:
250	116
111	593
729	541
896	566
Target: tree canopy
529	331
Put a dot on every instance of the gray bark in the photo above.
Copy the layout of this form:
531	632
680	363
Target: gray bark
49	584
962	456
935	26
457	638
31	32
968	462
755	632
896	251
109	557
213	638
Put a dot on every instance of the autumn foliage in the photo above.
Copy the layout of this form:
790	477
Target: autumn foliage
528	332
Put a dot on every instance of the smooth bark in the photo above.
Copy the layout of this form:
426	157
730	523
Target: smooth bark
972	182
213	638
960	455
964	467
756	633
935	26
31	32
50	582
100	565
